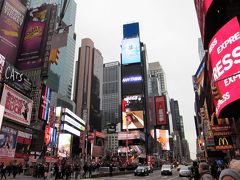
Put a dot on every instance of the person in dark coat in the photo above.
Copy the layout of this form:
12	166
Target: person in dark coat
3	170
14	170
110	169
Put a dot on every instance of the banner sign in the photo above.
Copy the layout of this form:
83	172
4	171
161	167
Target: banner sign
45	102
17	106
17	80
8	142
11	25
224	58
35	37
161	111
223	142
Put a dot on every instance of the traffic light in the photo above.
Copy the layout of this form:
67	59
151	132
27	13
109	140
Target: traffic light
54	55
216	92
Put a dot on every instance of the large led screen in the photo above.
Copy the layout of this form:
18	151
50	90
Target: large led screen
224	51
64	145
45	103
162	137
161	113
131	51
132	79
132	112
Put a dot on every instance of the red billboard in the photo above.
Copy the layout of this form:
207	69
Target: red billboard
17	106
11	25
224	52
161	110
34	41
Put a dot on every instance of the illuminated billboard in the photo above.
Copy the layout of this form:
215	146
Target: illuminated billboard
131	51
132	79
132	112
162	136
224	55
11	25
64	145
161	111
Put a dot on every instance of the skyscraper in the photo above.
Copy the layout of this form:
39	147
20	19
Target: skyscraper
158	86
89	80
111	93
60	76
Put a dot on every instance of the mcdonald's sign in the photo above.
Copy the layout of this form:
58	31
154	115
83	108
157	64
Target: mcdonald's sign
223	142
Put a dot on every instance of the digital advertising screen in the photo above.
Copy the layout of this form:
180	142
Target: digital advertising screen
224	52
132	79
132	112
162	136
131	51
64	145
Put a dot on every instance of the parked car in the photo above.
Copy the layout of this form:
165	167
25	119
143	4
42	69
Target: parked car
185	171
141	170
166	169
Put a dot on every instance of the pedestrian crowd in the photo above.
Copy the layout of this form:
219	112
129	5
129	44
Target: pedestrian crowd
204	171
12	169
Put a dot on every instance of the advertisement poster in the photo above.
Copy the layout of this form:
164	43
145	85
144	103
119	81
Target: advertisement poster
224	58
161	112
45	102
17	106
132	112
35	36
223	142
2	63
11	25
8	142
17	80
23	144
2	108
131	51
64	145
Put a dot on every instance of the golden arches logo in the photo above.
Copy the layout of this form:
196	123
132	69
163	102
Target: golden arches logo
223	142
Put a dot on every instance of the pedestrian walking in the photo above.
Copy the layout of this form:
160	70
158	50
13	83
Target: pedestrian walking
110	169
85	170
235	164
3	170
204	171
195	172
14	170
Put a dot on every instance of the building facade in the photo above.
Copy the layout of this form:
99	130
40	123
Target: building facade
88	80
111	93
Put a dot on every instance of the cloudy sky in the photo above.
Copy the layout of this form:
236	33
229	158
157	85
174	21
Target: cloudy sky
170	31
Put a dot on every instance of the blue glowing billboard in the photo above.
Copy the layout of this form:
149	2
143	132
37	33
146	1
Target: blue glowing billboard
131	51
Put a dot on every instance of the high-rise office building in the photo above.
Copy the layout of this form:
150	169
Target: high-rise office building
89	80
158	87
60	76
111	93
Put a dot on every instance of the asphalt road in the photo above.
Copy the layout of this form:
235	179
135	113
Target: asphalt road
156	175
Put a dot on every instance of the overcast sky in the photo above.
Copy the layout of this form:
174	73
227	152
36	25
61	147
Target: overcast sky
170	31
